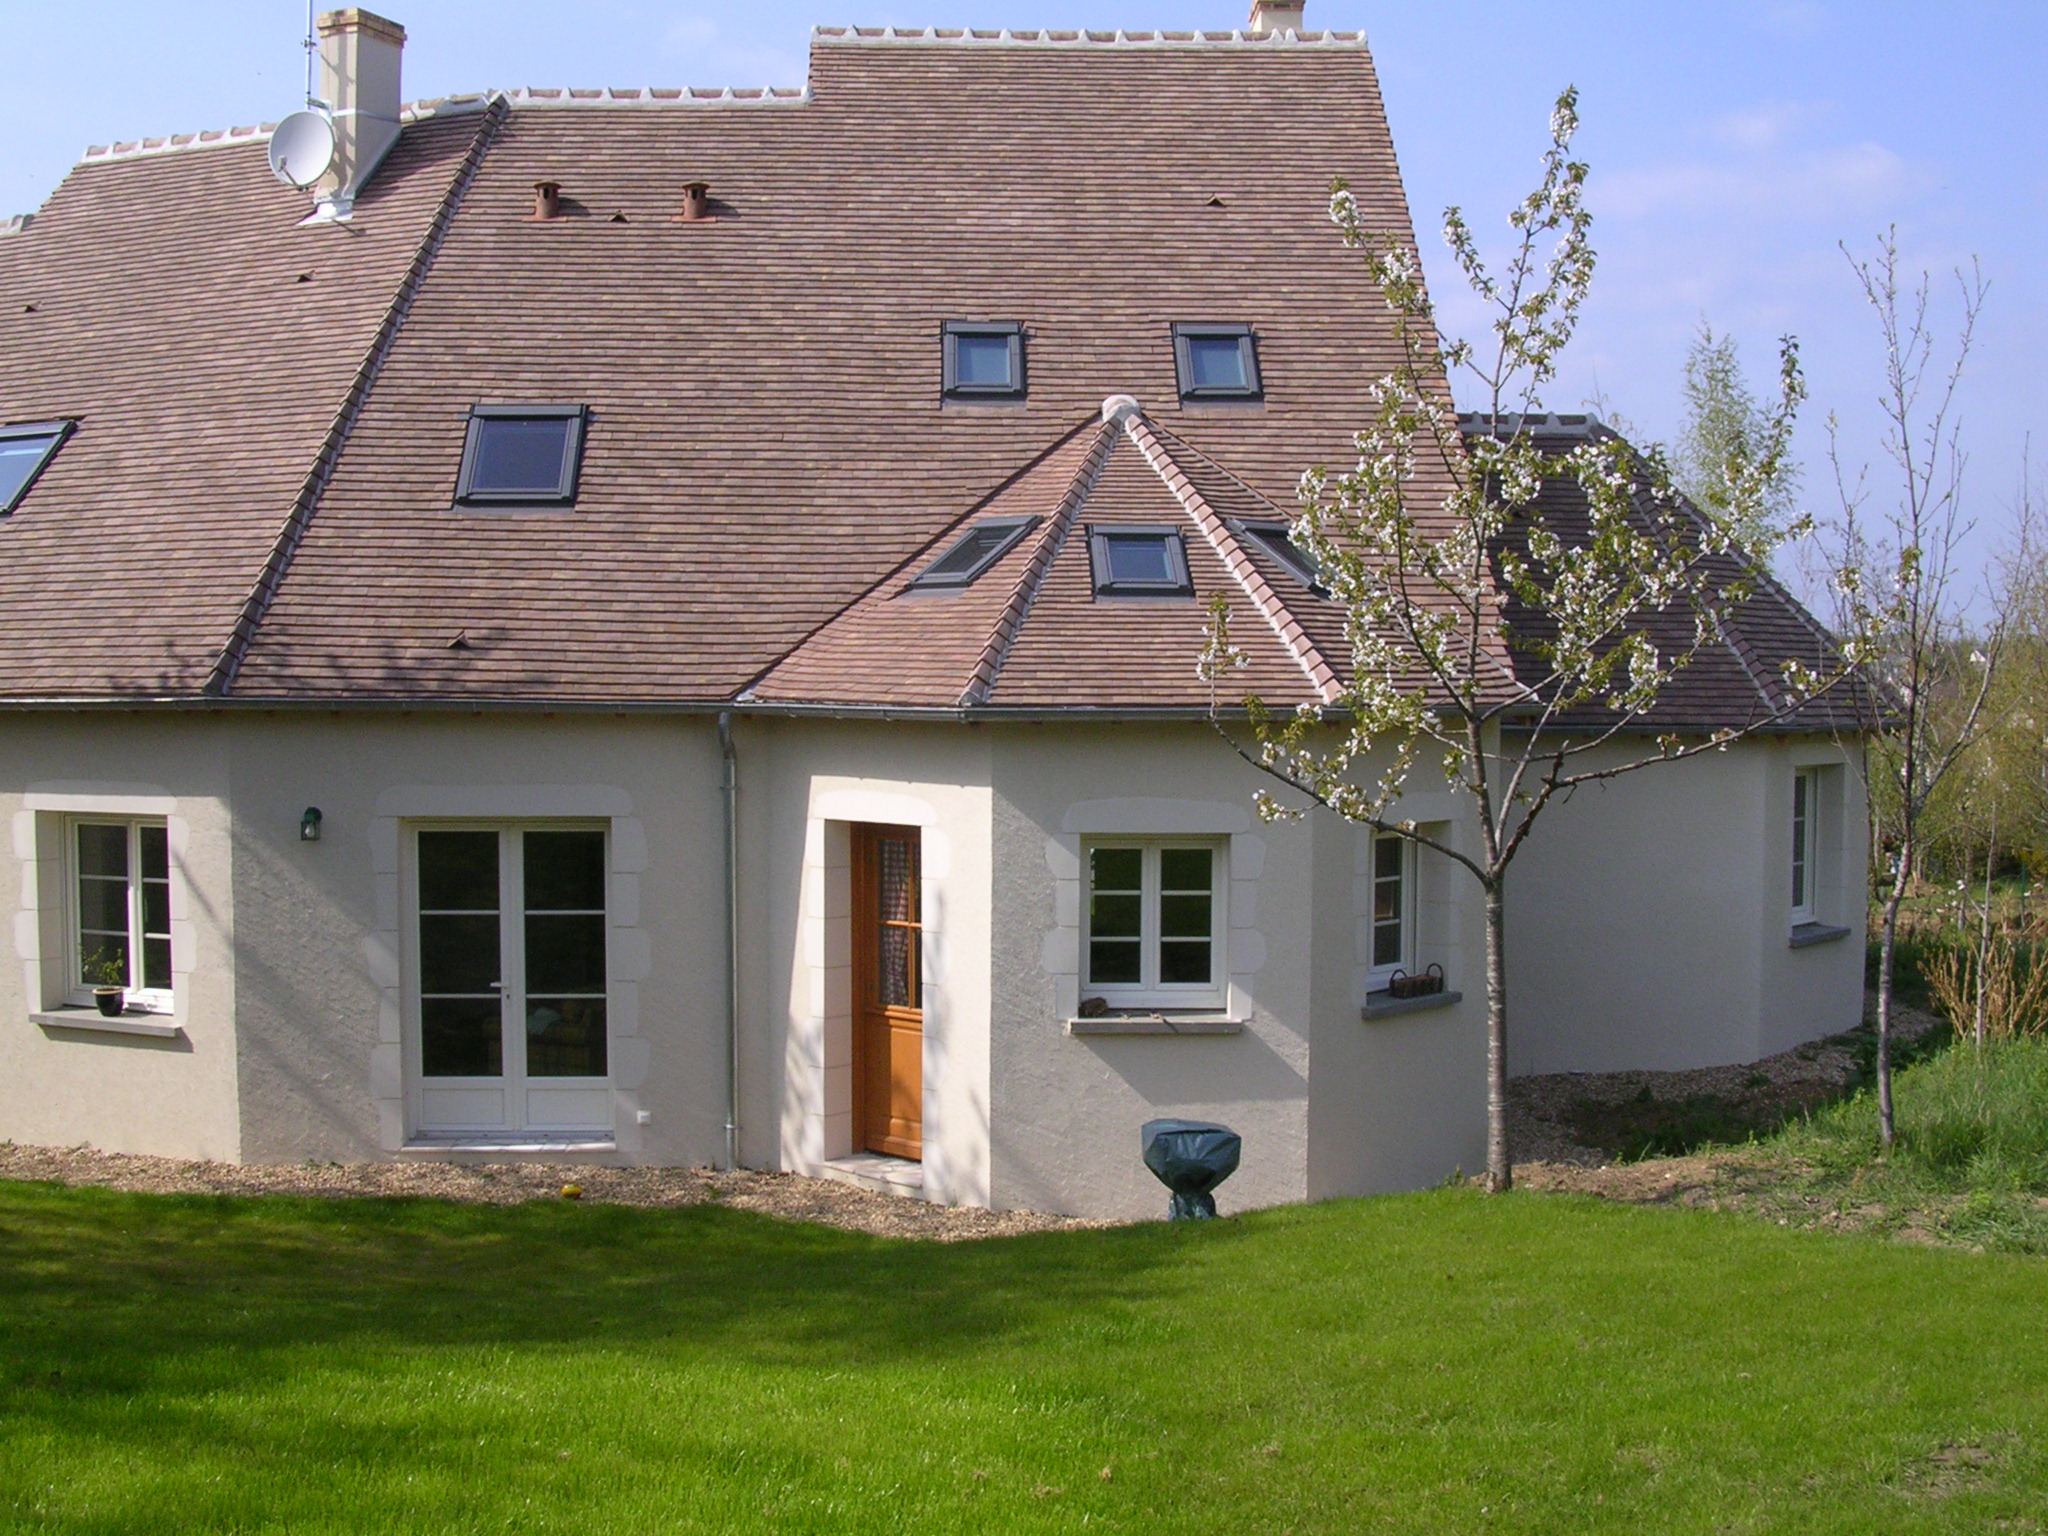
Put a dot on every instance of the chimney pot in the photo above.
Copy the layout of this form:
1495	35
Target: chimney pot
696	202
547	201
1270	16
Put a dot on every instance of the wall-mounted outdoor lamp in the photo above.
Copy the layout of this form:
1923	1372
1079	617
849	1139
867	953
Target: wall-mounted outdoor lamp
309	825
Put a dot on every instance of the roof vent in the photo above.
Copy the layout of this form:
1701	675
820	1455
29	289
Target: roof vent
359	64
1270	16
696	203
547	201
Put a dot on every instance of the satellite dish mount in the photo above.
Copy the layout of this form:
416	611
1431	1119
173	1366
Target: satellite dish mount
302	149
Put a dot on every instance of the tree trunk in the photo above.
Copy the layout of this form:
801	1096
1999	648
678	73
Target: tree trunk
1887	945
1500	1170
1984	930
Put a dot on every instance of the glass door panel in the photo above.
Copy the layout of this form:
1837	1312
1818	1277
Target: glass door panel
462	1028
565	957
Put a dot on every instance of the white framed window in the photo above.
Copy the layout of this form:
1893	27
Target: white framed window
118	909
508	986
1154	922
1805	842
1391	931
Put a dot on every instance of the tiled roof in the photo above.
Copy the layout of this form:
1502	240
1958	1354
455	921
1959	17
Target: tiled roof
1736	679
258	502
206	345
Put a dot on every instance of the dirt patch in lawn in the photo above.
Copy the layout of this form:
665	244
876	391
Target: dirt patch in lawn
789	1196
1593	1119
1692	1138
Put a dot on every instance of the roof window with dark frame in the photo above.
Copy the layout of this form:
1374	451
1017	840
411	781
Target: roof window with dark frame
983	360
1145	561
1272	538
981	546
521	456
25	451
1216	362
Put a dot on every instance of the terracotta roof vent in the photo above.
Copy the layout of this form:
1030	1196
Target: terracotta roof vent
1270	16
696	203
547	202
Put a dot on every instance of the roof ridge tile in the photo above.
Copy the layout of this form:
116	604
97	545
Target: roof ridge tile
1271	606
1024	592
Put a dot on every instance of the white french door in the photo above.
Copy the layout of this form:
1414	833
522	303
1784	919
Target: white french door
507	979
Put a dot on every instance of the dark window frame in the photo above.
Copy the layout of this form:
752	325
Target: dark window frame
1291	558
1185	331
949	380
561	494
59	432
1181	584
1014	529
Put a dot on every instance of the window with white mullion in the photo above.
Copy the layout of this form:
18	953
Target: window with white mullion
1805	816
1393	887
1154	924
120	894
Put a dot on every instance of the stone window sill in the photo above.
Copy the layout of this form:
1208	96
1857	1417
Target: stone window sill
1384	1005
155	1025
1155	1024
1807	934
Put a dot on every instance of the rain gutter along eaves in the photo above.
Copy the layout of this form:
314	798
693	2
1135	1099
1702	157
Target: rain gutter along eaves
245	704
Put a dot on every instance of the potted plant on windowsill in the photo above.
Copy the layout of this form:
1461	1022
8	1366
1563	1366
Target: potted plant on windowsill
109	977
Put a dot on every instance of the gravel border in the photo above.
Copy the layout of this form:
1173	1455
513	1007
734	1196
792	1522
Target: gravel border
787	1196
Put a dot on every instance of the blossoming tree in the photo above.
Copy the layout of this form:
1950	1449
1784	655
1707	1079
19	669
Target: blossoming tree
1482	631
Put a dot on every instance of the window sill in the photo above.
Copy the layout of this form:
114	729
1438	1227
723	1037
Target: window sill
1155	1024
1384	1005
1807	934
155	1025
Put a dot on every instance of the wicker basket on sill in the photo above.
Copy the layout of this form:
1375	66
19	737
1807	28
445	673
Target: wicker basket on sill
1428	983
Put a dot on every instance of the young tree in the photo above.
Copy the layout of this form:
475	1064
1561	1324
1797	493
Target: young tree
1903	599
1725	430
1433	546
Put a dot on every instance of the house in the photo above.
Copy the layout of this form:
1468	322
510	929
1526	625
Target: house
660	626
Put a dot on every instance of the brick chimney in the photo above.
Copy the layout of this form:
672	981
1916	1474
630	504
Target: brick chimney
359	55
1269	16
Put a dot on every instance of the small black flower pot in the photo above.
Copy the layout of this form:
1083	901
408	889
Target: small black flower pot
110	1000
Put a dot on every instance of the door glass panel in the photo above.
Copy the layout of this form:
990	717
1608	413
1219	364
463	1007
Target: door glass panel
461	1037
897	902
102	899
461	1015
565	954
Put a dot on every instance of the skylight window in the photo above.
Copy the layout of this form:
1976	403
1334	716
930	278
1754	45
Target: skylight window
24	450
980	547
1272	539
984	359
1216	362
521	455
1139	562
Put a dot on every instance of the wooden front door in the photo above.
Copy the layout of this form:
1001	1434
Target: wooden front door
888	992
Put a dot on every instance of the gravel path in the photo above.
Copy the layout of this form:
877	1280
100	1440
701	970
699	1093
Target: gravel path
785	1195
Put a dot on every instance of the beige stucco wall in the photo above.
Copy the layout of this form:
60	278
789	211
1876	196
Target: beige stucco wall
1649	920
122	1093
320	954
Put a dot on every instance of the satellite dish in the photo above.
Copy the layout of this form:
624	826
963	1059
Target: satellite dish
302	148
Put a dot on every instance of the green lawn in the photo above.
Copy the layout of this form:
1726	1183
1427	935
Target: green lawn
1439	1362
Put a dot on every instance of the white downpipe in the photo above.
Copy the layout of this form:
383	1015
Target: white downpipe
732	939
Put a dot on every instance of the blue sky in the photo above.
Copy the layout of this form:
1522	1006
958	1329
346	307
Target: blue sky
1734	143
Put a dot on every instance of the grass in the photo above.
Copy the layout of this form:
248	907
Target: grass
1437	1362
1971	1154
